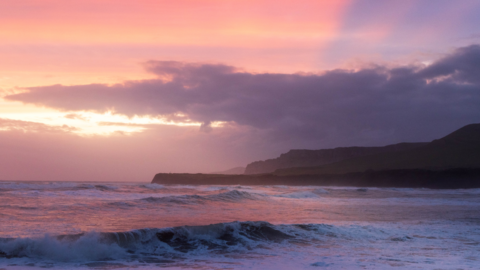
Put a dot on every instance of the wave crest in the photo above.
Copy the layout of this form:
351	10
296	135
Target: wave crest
173	243
159	242
228	196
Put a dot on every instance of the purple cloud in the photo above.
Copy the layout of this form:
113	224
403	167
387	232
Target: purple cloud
371	106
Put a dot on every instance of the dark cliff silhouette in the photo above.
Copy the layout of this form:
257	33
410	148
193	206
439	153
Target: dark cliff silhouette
450	162
416	178
310	158
236	170
460	149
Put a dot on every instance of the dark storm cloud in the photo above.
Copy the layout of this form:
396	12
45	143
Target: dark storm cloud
366	106
462	66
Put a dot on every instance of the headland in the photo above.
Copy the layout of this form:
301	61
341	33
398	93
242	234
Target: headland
452	162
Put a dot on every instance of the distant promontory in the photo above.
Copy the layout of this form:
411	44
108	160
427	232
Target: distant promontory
311	158
449	162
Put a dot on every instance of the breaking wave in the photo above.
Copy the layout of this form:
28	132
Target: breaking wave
304	194
176	244
153	186
164	242
228	196
97	187
233	196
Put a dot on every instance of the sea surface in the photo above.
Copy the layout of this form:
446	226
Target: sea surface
67	225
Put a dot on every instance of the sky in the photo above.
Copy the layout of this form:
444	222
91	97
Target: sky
117	90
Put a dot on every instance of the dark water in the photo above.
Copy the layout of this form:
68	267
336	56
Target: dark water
144	226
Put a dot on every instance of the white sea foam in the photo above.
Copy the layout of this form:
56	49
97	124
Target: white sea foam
86	248
153	186
227	196
320	191
299	195
233	196
107	246
309	194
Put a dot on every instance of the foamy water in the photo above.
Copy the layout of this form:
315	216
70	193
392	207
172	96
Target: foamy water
62	225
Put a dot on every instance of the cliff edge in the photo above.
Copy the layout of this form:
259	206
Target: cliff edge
459	149
312	158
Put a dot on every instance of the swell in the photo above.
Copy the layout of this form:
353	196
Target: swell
229	196
55	186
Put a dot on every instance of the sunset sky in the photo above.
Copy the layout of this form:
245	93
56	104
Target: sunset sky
117	90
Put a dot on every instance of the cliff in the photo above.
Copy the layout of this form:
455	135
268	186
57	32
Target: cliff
450	162
446	179
460	149
236	170
312	158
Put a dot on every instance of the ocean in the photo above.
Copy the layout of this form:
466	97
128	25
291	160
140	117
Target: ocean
72	225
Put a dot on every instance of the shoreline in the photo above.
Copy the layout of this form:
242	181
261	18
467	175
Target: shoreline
458	178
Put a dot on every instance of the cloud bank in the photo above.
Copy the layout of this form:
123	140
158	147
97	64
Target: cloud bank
369	106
